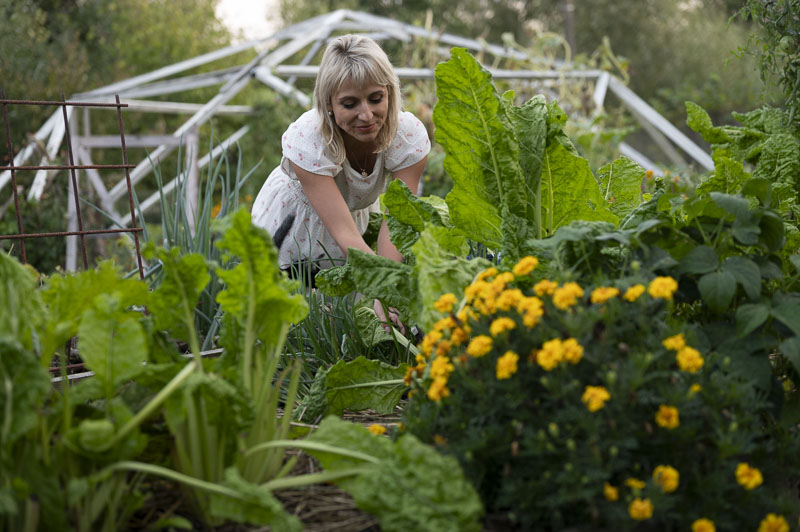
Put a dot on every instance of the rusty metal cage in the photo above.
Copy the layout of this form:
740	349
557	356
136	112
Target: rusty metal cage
21	236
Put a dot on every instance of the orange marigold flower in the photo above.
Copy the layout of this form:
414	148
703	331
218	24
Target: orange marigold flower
509	299
667	477
662	288
488	272
459	335
507	365
551	353
668	417
501	325
377	430
601	294
525	265
633	293
479	346
694	388
445	323
635	483
441	367
595	397
545	288
674	343
443	347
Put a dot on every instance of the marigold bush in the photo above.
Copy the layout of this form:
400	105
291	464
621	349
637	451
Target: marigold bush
587	406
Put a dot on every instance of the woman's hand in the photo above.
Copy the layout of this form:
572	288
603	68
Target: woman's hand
394	317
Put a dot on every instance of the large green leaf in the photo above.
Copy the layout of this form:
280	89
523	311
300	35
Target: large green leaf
441	268
787	313
407	216
750	316
336	281
255	293
25	384
791	350
746	273
701	259
729	177
697	119
621	185
569	190
482	155
381	278
253	504
67	298
172	303
112	343
21	313
717	289
409	486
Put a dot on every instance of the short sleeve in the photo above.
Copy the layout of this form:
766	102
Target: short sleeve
304	145
410	145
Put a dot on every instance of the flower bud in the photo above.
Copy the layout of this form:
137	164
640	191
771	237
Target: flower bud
611	377
541	436
733	426
636	265
545	381
613	451
552	428
570	444
568	466
726	362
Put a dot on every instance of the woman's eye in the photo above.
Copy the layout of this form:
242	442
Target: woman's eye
378	99
348	105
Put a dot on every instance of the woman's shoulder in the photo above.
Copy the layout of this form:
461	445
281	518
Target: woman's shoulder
304	145
410	144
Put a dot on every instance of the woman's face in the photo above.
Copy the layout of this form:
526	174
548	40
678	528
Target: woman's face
360	111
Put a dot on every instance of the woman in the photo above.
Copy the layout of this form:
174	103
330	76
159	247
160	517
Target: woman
337	158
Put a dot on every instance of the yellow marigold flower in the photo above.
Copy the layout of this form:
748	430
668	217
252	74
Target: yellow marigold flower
704	525
479	346
573	351
409	375
545	288
674	343
773	523
525	265
595	397
505	277
748	477
667	477
507	365
531	318
640	509
445	302
567	295
489	272
610	492
443	347
694	388
430	340
601	294
635	483
438	389
668	417
377	430
441	367
439	440
445	323
501	325
474	290
509	299
662	288
459	335
551	353
633	293
689	359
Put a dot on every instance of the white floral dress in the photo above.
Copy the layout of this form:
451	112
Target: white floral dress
282	195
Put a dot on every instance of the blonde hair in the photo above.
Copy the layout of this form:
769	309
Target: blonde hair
358	59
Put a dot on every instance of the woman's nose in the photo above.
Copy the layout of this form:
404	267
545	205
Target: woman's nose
365	112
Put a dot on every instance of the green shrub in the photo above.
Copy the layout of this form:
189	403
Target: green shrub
589	407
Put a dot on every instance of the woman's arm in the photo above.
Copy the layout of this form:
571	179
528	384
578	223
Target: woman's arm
410	176
324	195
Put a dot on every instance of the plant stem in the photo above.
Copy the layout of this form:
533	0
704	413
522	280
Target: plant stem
312	478
171	474
368	384
313	446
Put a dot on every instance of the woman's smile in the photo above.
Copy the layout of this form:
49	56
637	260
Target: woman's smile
360	111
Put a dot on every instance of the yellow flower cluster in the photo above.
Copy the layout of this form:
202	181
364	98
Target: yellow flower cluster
667	477
531	309
668	417
689	358
556	351
376	429
545	288
640	509
773	523
662	288
438	389
601	294
704	525
748	477
610	492
595	397
633	293
567	295
479	346
635	484
507	365
525	266
445	303
501	325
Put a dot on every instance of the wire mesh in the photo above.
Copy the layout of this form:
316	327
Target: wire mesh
21	235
